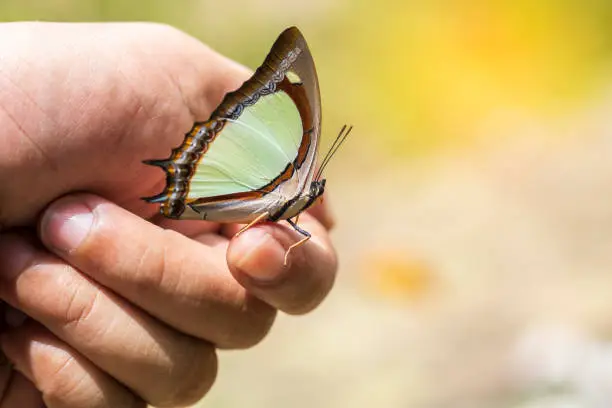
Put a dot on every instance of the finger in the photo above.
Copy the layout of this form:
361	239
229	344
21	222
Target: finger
59	374
140	99
256	258
161	365
182	282
22	393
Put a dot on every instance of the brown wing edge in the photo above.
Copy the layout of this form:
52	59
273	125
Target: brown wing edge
270	76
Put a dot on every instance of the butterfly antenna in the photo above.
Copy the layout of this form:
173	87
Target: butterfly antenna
344	132
334	143
330	150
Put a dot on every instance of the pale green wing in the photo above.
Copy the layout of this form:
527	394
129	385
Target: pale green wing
262	139
250	151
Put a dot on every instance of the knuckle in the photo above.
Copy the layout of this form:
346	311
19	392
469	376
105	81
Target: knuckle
151	271
65	381
78	311
79	308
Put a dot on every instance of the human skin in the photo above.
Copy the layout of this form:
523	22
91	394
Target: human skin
126	307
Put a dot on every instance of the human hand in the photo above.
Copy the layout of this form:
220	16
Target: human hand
134	311
81	105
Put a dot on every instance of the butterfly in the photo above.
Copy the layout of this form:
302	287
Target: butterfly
254	159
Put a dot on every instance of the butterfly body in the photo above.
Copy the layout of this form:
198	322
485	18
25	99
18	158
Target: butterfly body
244	211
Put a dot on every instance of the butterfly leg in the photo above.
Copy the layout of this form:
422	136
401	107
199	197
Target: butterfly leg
306	235
260	218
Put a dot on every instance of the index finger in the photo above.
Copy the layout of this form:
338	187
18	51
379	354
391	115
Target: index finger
256	259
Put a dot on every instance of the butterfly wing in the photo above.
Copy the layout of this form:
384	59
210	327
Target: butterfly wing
258	148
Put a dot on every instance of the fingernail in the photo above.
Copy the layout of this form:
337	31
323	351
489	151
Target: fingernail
258	255
66	224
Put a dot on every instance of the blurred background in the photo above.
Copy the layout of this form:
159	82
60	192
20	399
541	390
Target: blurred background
474	199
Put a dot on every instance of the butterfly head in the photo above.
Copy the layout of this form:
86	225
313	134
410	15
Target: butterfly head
317	188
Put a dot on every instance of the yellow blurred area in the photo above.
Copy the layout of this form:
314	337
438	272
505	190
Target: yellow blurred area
477	179
397	275
432	72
